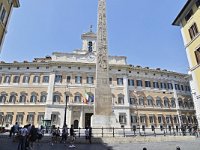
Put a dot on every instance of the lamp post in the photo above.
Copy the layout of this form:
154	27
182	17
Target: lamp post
65	114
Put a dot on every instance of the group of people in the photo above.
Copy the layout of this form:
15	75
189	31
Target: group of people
64	135
26	136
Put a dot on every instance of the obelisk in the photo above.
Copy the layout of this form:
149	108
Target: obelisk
103	114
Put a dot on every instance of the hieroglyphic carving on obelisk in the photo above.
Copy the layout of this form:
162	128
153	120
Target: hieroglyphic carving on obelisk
103	96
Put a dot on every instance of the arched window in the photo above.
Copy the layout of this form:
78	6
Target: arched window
2	98
56	98
12	99
22	99
33	99
141	101
149	101
43	98
173	103
90	46
158	102
77	98
180	102
166	102
133	101
120	99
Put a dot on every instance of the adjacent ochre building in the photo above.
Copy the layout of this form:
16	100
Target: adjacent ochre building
36	92
6	7
189	21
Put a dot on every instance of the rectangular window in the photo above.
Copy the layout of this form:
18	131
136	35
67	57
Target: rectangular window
142	119
58	79
161	85
130	82
54	119
151	119
182	88
155	85
36	79
176	119
45	79
193	30
40	118
147	84
16	79
189	15
7	79
9	118
90	80
120	81
160	120
3	14
170	86
19	118
78	79
122	118
134	119
68	79
197	54
30	118
168	120
139	83
110	80
177	86
26	79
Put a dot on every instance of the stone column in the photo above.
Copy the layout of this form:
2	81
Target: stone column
126	92
81	118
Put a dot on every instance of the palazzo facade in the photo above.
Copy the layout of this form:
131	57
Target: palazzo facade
38	91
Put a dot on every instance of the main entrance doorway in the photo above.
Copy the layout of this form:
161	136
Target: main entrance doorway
76	124
88	119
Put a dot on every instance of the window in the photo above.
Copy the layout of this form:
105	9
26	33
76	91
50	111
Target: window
56	98
149	101
120	81
30	118
177	87
33	99
134	119
2	98
155	85
26	79
158	102
180	102
142	119
139	83
176	119
45	79
121	99
197	54
12	99
173	104
110	80
6	79
133	101
147	84
43	98
186	105
22	99
130	82
36	79
122	118
151	119
68	79
78	79
77	98
9	118
160	120
54	119
90	80
40	118
168	120
193	31
3	14
19	118
141	101
58	79
182	88
166	102
189	15
170	86
16	79
90	46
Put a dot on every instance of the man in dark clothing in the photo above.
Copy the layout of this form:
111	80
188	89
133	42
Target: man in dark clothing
72	136
90	135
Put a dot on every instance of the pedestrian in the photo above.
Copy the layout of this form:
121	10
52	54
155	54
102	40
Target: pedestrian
72	136
11	131
57	134
22	138
90	135
64	134
16	128
86	133
32	136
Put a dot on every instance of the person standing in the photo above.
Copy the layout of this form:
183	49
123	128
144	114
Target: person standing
72	136
64	134
90	135
32	136
22	138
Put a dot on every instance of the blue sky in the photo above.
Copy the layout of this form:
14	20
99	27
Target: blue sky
140	30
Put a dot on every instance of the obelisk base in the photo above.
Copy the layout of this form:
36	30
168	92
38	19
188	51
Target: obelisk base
99	121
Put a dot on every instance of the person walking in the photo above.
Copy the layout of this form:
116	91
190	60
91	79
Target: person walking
86	133
90	135
32	136
64	134
72	136
22	138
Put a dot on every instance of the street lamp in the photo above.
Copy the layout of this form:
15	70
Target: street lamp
65	114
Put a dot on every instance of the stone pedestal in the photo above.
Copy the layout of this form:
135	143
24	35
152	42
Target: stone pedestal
99	121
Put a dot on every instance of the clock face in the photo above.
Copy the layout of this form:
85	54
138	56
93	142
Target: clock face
91	57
